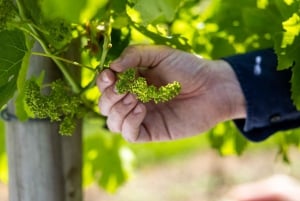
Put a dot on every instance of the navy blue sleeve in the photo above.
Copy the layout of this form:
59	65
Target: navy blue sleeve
267	94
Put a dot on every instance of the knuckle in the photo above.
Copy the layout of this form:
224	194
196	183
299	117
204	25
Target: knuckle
113	125
130	138
131	48
103	107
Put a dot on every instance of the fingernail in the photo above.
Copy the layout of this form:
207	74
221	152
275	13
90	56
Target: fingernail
138	109
105	78
128	99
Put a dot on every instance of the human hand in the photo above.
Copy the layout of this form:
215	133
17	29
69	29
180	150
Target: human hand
210	94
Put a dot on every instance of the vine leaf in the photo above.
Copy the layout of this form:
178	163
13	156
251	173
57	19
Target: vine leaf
286	43
287	49
157	11
12	52
175	41
284	55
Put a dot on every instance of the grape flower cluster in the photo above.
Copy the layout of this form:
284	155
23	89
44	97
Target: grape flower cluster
129	82
59	105
8	13
58	34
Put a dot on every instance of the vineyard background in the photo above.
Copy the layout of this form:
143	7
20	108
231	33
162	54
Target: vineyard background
210	28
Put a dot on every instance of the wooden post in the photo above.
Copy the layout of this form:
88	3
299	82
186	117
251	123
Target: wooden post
43	166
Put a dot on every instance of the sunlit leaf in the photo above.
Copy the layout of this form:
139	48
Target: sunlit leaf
286	55
292	24
292	29
157	11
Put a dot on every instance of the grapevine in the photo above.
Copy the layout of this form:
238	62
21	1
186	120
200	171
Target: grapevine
129	82
60	105
8	13
59	34
63	106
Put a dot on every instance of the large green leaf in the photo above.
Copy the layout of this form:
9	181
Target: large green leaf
157	10
12	51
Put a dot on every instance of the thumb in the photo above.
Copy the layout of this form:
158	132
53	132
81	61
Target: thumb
141	56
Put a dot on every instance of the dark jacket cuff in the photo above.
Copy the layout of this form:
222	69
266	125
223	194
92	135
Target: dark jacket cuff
267	94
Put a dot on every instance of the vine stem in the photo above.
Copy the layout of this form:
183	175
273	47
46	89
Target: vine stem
105	48
63	60
33	33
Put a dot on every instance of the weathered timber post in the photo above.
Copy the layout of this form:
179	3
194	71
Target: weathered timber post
43	166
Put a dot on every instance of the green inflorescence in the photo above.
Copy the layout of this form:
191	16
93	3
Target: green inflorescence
60	105
128	81
8	13
58	34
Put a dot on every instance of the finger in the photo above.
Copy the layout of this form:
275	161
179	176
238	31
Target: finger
108	99
119	112
105	79
141	56
132	128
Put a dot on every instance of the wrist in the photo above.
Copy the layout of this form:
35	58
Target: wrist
234	99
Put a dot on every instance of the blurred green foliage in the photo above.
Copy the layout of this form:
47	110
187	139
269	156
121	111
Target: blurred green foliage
107	160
